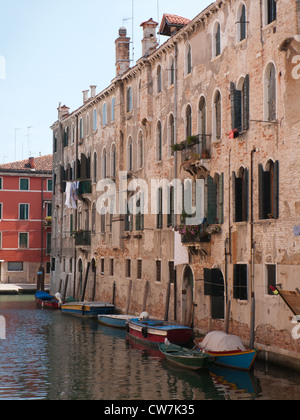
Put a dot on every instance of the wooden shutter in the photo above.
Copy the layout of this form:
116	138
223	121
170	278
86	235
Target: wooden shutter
246	196
221	199
261	191
83	166
238	200
208	282
211	201
246	103
236	107
275	194
233	192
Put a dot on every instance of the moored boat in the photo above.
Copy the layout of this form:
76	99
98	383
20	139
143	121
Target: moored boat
115	321
228	350
47	301
156	331
87	309
187	358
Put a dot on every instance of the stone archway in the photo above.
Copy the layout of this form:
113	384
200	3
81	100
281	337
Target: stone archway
188	297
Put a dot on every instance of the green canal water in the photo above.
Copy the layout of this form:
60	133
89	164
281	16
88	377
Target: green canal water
51	356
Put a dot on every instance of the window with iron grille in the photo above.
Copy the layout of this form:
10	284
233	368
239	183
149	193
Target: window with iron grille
158	271
139	269
15	266
128	268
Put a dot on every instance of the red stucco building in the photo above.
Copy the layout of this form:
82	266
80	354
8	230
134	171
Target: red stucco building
25	219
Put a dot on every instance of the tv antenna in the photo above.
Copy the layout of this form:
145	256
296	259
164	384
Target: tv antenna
132	30
28	140
16	129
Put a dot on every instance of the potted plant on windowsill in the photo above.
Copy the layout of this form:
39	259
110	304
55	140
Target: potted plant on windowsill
48	221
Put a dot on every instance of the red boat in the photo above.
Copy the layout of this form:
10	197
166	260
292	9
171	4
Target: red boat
155	331
44	300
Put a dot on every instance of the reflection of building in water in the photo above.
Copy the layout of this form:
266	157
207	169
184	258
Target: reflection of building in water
214	103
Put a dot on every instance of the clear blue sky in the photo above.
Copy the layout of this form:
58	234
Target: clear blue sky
55	49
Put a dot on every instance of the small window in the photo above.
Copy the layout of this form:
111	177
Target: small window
242	23
130	155
240	104
188	121
102	266
171	209
140	150
158	271
159	142
139	269
113	103
188	58
271	278
171	130
1	183
24	212
49	185
240	283
104	115
269	191
172	272
159	220
112	267
15	266
172	72
81	129
66	137
113	161
128	268
217	116
241	187
23	240
271	11
24	184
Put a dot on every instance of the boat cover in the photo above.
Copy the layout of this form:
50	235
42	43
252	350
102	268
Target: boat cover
43	296
219	341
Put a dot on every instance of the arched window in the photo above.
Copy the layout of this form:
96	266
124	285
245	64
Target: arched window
270	92
188	58
171	134
87	124
172	71
216	40
241	195
129	99
202	121
113	161
269	191
158	79
104	164
104	115
94	218
159	142
188	121
130	155
95	120
113	103
81	128
241	23
217	118
140	150
95	167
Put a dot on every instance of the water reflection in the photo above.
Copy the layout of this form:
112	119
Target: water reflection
49	355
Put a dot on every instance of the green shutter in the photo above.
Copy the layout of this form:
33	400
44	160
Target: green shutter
211	201
246	100
276	191
221	199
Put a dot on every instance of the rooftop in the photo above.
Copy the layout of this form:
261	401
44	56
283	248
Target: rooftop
38	164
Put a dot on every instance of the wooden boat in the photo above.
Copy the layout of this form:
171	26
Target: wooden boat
45	300
190	359
156	331
87	309
228	350
115	321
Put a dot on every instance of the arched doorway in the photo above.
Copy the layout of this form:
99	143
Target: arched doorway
188	297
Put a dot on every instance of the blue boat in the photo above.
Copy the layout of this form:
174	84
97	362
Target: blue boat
114	321
87	309
228	350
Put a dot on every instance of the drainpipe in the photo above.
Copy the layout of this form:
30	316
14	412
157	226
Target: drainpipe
252	244
76	213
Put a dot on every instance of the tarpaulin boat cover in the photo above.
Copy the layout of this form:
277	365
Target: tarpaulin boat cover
219	341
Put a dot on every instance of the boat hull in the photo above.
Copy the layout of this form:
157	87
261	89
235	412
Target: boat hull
47	304
87	310
189	359
235	360
114	321
157	332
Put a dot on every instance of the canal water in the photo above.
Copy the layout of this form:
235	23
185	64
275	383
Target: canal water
51	356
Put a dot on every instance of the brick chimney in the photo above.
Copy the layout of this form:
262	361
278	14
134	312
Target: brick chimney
149	41
122	52
62	111
31	162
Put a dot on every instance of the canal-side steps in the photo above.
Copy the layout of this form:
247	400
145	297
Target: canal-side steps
19	289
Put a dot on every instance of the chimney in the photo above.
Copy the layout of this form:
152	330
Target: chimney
149	41
31	162
62	111
85	96
122	52
93	91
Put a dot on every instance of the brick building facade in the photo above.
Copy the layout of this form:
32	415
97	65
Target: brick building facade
217	102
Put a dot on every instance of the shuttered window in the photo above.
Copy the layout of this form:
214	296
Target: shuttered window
241	196
240	105
271	11
240	282
271	278
215	200
269	191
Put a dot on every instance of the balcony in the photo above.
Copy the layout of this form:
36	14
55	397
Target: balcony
85	187
83	238
195	152
198	238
